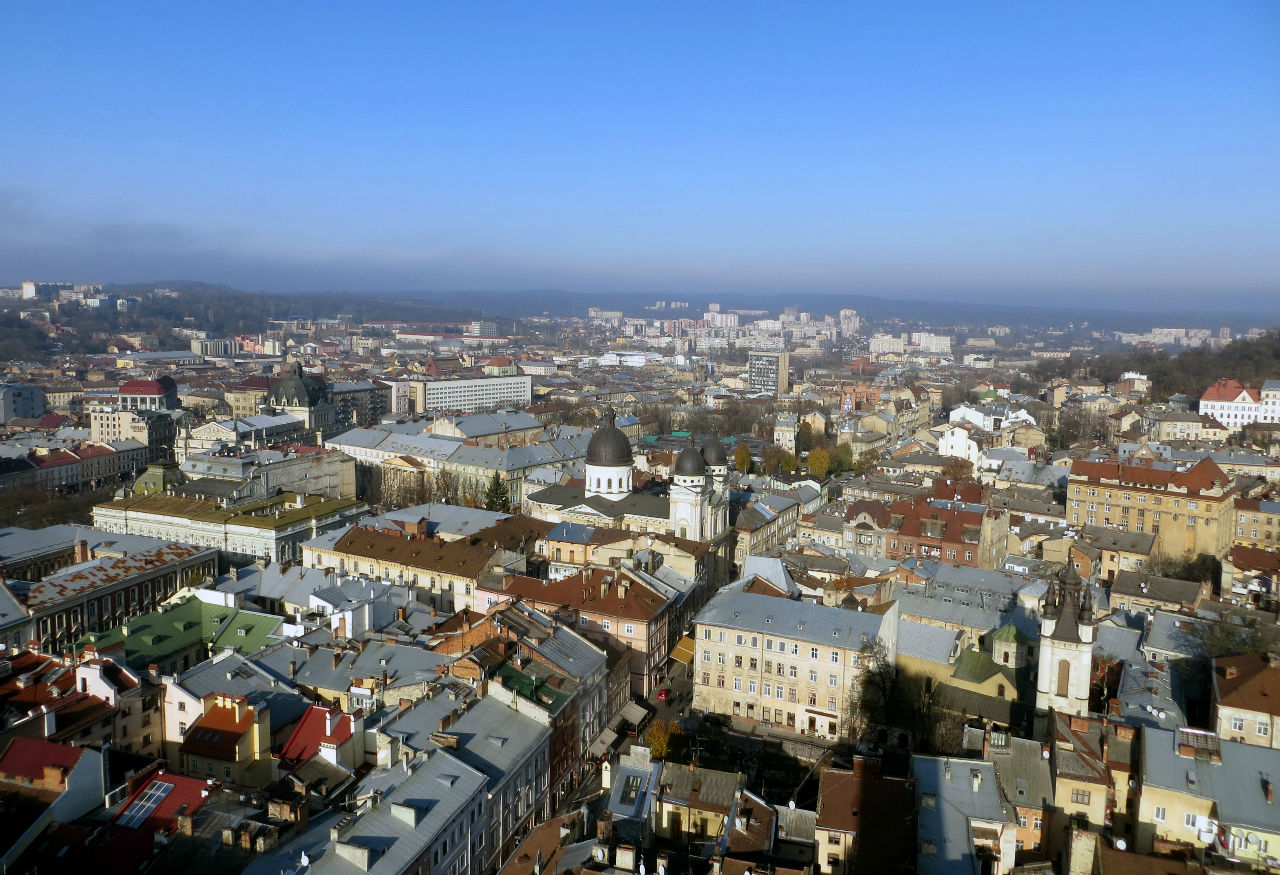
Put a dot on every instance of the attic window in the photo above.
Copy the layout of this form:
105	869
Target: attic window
242	631
497	740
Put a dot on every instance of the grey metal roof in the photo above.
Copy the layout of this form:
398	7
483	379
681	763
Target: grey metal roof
930	643
1173	635
1235	784
1148	695
403	663
1117	642
441	789
955	801
447	519
801	620
1025	776
232	674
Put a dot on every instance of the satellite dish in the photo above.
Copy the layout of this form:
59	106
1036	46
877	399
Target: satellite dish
304	861
642	867
662	870
1044	754
792	804
1121	844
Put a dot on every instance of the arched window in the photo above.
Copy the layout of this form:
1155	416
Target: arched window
1000	691
1005	657
610	484
1064	677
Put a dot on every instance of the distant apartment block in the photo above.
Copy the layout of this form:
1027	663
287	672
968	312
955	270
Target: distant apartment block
768	371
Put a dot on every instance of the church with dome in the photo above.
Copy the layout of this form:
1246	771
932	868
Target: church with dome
696	506
299	395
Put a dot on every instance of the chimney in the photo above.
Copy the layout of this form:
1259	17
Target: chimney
337	658
50	721
331	722
1267	792
293	668
82	551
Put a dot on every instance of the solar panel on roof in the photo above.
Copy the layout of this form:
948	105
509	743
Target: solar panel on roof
142	807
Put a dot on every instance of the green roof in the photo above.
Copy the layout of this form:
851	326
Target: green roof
1010	634
247	632
156	637
513	679
976	667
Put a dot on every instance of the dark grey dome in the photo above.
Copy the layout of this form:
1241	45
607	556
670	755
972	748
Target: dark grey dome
689	462
295	390
713	453
609	446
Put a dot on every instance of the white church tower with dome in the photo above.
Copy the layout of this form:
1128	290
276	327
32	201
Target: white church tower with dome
609	463
690	493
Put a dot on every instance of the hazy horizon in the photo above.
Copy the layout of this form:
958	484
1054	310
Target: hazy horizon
1118	157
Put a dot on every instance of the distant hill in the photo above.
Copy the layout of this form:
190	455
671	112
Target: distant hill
1252	362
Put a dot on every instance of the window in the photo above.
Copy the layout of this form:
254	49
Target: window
737	685
813	677
706	634
813	700
1189	820
767	690
721	636
1080	797
629	629
752	688
739	640
813	653
582	621
1037	822
1022	820
1263	727
1159	814
606	625
792	673
737	662
831	703
768	644
795	649
835	657
706	678
720	658
833	680
182	706
779	692
755	642
1237	724
706	656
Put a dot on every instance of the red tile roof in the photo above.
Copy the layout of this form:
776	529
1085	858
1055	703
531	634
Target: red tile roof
1230	390
27	757
311	732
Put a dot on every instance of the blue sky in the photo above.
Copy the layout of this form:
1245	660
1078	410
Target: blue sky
1116	152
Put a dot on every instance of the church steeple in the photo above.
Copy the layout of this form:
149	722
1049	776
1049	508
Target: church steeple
1066	644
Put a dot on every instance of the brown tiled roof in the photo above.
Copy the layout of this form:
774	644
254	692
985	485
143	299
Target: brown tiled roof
583	592
1197	478
466	557
1249	682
